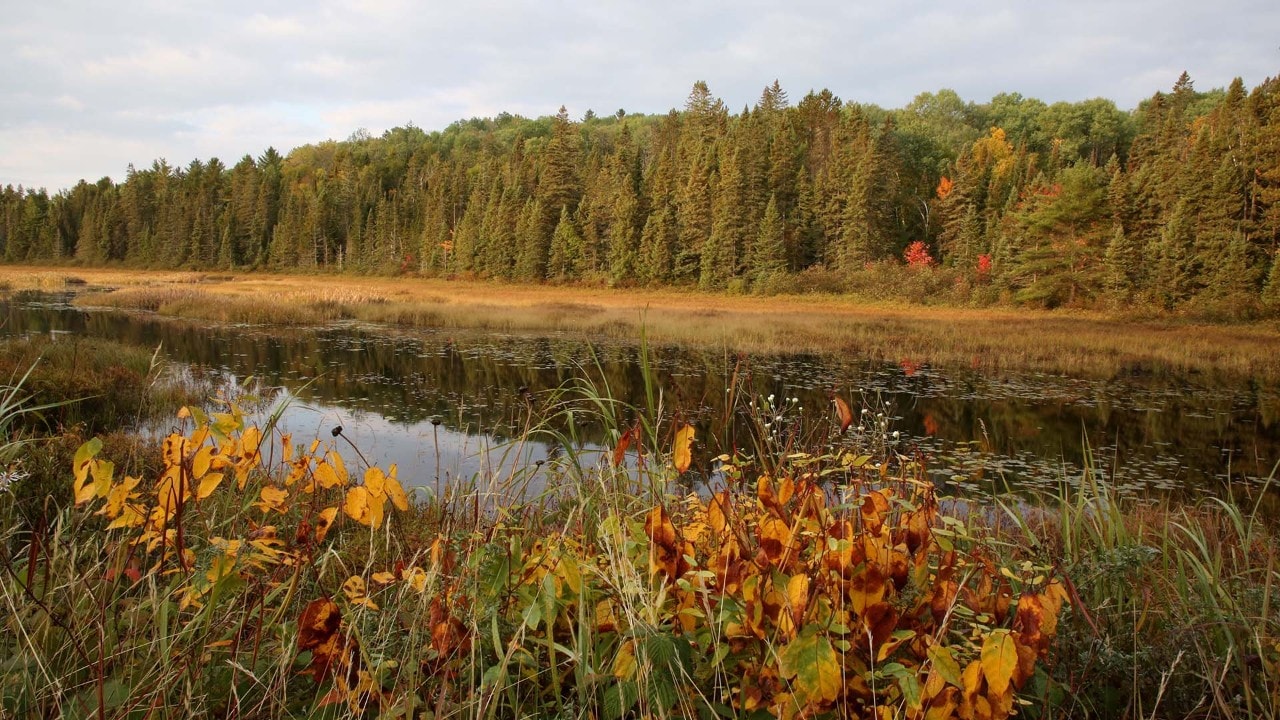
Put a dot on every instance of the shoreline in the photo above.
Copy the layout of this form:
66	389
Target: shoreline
1087	344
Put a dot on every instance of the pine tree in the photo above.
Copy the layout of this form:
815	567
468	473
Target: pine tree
624	237
769	252
531	259
565	260
1271	291
1124	264
653	266
1175	279
694	219
724	246
558	182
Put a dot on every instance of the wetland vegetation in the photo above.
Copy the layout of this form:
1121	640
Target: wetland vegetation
244	571
686	540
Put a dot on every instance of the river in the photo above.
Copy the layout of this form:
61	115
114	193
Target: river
446	405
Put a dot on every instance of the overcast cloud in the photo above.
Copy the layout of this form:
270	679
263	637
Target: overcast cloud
89	87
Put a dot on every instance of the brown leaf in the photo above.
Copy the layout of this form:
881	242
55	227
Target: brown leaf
843	412
775	539
624	444
875	506
881	620
867	588
1028	621
318	632
665	550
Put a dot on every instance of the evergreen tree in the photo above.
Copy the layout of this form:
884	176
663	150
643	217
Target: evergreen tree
1124	263
565	260
659	236
1271	292
531	260
1175	279
769	253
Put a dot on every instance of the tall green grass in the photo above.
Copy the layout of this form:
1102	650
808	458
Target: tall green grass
1174	604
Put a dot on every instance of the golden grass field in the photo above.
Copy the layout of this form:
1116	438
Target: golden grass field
1071	342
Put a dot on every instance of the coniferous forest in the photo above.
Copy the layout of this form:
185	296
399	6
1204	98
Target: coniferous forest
1172	206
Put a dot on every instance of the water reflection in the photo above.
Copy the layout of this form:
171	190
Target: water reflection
386	386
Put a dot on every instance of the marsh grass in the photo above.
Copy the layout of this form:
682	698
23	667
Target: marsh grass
1175	611
991	339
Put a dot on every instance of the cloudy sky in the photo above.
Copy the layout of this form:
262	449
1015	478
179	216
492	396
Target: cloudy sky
88	87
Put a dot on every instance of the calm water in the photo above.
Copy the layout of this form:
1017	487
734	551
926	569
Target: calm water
444	405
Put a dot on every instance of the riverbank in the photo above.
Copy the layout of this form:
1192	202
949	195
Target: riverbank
990	339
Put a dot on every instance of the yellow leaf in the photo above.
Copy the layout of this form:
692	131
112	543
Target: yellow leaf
375	482
363	507
944	706
971	679
250	444
354	589
682	453
416	578
624	663
356	505
325	521
273	498
81	465
208	484
384	578
119	496
999	659
798	596
130	517
171	491
395	491
327	476
173	450
944	664
200	463
339	467
814	664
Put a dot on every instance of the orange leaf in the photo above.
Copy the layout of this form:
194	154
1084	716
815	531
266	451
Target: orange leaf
665	552
945	186
683	450
875	506
624	444
843	411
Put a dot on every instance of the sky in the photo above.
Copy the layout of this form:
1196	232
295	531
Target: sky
88	87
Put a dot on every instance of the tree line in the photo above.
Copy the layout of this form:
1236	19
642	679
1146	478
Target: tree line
1172	205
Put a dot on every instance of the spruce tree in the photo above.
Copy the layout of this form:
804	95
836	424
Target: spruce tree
1271	291
769	252
565	261
531	257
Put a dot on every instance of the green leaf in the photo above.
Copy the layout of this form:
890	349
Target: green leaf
814	664
619	699
944	663
999	658
911	691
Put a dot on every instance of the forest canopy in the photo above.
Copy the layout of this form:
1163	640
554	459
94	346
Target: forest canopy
1173	205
